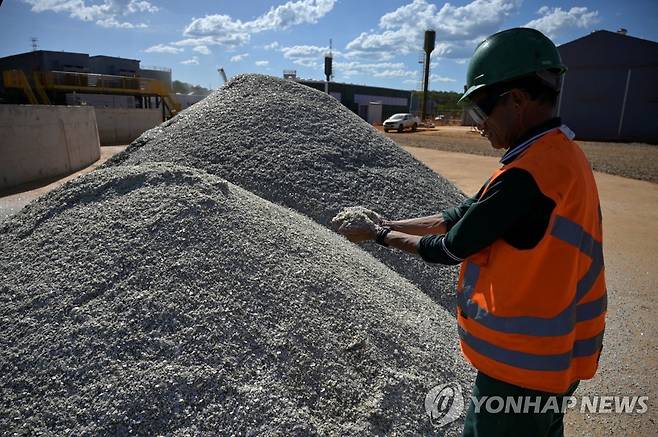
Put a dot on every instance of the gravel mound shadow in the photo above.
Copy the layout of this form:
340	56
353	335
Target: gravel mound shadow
301	148
162	300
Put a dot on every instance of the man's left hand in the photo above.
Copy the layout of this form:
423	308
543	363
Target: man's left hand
357	232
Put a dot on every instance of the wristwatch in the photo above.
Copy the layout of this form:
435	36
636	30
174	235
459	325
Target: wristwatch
382	232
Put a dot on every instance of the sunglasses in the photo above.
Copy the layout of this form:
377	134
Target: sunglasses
481	110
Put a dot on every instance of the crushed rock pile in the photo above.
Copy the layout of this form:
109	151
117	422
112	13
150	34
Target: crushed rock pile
301	148
161	300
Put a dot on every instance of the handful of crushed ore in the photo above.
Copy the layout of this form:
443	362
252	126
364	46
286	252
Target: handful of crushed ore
355	217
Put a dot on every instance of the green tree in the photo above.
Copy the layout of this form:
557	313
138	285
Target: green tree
186	88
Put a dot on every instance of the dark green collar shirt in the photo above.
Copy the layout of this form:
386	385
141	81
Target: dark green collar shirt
513	208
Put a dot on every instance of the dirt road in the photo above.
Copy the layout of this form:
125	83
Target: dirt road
631	160
629	363
13	200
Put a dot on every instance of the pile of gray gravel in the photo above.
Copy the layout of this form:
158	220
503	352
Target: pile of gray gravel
301	148
161	300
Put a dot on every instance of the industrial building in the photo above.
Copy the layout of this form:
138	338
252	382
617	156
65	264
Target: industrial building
66	78
610	92
373	104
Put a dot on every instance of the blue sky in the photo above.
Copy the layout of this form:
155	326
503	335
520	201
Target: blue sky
374	42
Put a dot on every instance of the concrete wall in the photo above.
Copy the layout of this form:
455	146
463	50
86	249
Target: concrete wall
39	141
122	126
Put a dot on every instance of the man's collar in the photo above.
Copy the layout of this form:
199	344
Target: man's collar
528	138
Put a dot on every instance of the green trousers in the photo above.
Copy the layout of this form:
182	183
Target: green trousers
492	420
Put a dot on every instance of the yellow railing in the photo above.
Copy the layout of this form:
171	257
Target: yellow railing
89	82
17	79
40	91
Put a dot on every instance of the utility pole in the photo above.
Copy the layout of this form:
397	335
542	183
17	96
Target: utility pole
35	43
328	58
430	37
222	74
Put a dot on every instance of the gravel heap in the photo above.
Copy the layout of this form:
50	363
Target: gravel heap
301	148
162	300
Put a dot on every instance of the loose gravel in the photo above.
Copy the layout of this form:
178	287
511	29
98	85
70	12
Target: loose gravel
162	300
301	148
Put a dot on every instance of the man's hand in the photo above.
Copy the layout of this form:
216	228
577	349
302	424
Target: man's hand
357	232
357	223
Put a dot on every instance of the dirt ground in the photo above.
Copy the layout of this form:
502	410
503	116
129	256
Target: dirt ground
629	363
631	160
14	199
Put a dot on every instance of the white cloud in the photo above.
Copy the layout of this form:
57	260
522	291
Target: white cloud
226	40
141	6
375	69
437	78
369	56
370	66
228	31
113	22
309	63
395	73
262	63
204	50
238	58
458	28
163	48
193	61
271	46
307	55
293	13
107	13
305	51
553	21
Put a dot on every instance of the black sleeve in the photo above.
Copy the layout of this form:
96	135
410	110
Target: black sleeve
453	215
512	198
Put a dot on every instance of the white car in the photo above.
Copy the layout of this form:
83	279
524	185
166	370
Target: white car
401	122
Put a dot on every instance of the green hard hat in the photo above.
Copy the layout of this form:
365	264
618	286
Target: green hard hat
511	54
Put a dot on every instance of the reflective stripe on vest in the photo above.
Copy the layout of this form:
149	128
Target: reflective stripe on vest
571	233
523	360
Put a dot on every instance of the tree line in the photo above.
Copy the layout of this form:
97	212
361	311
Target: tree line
186	88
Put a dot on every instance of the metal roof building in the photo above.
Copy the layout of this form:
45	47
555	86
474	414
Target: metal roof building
610	92
373	104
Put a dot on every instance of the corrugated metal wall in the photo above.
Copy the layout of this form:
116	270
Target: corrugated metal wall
640	122
612	104
591	102
610	92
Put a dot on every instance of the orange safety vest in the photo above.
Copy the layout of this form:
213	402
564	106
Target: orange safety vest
535	318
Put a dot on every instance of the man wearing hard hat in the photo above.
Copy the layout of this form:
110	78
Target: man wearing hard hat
531	293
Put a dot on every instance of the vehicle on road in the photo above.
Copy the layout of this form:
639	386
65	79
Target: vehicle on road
401	121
